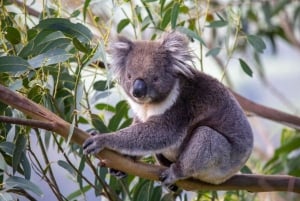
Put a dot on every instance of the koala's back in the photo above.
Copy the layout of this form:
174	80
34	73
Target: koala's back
204	101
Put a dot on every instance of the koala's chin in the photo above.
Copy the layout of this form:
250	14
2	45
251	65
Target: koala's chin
143	100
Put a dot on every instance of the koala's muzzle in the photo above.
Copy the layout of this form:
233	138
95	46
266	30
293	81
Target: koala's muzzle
139	88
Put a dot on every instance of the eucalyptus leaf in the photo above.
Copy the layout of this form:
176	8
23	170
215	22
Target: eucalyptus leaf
18	151
257	43
76	13
174	14
122	24
149	1
26	166
12	35
50	57
121	112
44	41
217	24
156	195
102	85
7	147
66	26
67	167
166	19
18	182
85	7
99	124
13	64
2	162
79	46
245	67
74	195
191	34
104	106
213	52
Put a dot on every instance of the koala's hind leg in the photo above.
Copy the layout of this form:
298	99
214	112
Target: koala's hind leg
206	156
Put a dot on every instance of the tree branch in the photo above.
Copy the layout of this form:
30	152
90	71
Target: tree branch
42	116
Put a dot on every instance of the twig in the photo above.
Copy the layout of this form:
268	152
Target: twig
51	174
28	122
22	193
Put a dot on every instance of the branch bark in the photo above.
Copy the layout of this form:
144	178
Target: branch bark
41	117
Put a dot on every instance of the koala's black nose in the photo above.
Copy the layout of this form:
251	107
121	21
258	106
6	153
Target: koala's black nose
139	88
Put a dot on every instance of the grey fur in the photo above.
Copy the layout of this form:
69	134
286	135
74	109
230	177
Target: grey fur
186	117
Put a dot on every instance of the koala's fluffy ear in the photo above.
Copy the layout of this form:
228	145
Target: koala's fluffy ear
119	49
177	46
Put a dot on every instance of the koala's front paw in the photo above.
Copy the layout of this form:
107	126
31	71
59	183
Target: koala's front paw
168	179
93	145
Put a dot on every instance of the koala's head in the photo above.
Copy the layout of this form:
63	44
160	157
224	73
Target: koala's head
148	70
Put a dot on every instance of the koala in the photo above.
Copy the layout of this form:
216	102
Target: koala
188	119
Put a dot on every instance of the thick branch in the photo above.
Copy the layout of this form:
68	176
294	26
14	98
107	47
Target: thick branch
267	112
42	116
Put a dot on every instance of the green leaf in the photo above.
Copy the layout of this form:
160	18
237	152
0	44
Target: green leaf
2	162
79	46
76	13
121	112
99	124
13	64
79	192
26	166
31	33
80	169
246	170
156	194
149	13
82	120
104	106
126	123
174	15
7	147
13	35
257	43
213	52
143	190
102	85
191	34
149	1
279	6
217	24
18	151
85	7
245	67
67	167
122	24
45	41
64	25
18	182
50	57
166	19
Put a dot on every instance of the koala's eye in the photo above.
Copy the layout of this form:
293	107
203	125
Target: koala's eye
128	76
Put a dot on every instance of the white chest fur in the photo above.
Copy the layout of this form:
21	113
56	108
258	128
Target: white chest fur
144	111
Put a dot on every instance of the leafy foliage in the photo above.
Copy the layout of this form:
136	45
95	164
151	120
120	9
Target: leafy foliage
59	64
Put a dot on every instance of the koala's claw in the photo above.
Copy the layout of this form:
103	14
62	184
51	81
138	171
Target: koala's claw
117	173
90	146
167	180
